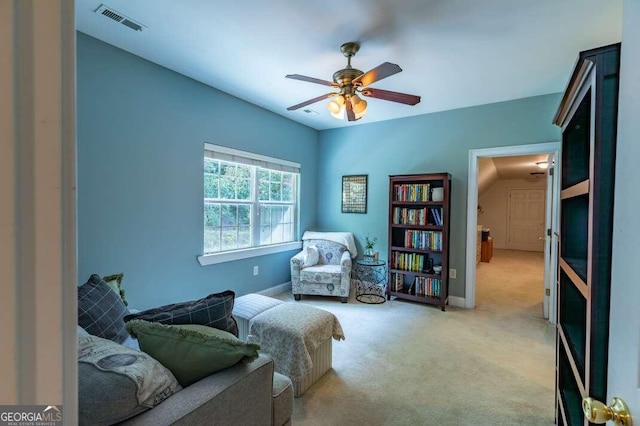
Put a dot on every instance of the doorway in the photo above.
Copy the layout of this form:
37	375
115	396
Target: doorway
512	197
549	239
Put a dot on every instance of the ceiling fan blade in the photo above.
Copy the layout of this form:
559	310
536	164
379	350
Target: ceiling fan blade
311	80
388	95
351	116
384	70
311	101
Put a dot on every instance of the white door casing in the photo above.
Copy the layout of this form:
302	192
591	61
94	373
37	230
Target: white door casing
472	202
37	58
551	241
8	291
526	219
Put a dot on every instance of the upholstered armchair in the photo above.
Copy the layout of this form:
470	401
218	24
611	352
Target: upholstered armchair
323	267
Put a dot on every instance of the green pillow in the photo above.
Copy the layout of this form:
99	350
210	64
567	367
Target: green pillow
191	351
115	283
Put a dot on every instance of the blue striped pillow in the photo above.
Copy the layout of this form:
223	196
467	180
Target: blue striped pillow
213	311
101	311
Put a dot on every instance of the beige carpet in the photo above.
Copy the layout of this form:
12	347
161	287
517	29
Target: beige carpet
405	363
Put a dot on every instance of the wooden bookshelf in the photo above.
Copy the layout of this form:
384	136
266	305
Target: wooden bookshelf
419	238
588	118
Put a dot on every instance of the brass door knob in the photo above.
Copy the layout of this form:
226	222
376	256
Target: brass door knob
598	413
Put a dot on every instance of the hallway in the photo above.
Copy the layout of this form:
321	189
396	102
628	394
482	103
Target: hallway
512	284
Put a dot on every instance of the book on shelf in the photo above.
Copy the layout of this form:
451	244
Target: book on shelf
397	282
413	192
406	216
427	286
413	262
437	216
410	289
423	240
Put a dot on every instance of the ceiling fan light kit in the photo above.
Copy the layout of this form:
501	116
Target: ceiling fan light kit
359	105
337	106
350	82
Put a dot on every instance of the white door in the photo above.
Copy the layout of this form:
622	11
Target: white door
526	219
623	372
623	377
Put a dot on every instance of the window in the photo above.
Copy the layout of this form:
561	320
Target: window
249	200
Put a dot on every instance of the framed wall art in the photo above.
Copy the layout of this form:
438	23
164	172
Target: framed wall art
354	194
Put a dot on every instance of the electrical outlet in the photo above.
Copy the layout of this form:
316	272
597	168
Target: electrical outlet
452	273
255	270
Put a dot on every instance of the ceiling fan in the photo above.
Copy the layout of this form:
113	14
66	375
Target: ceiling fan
350	83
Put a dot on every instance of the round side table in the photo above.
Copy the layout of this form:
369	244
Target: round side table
371	281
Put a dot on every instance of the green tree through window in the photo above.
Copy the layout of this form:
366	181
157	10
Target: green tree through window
236	216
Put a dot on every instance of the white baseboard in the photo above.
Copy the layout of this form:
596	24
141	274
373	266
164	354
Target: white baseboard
272	291
458	302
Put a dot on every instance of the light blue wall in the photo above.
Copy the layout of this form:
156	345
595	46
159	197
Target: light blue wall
141	129
140	133
438	142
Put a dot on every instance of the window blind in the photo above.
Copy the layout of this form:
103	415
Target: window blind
236	156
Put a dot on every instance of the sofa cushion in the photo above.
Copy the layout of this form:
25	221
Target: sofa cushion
115	283
115	383
322	274
101	311
282	399
191	351
215	311
250	305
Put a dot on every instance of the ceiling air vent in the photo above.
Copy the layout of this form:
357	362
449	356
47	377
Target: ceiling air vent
119	17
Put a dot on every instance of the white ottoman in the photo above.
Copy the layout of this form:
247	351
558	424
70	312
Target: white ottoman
248	306
298	338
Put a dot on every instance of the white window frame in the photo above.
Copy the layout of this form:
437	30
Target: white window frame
234	155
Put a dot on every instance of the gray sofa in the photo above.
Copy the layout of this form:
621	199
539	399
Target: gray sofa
119	383
245	394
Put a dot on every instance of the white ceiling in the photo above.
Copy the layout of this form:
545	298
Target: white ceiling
454	53
520	166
